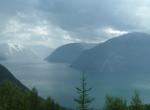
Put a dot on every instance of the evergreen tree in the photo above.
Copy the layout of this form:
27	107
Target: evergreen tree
14	98
48	104
115	103
57	107
33	99
136	103
147	106
51	105
11	97
83	100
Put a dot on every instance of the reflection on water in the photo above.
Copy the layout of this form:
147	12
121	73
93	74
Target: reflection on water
59	81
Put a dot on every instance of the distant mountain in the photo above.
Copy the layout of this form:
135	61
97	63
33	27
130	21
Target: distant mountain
129	53
5	74
68	53
17	52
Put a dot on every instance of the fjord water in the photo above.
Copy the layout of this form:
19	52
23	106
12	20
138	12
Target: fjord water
56	80
59	81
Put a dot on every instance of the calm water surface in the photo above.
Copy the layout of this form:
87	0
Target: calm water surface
59	81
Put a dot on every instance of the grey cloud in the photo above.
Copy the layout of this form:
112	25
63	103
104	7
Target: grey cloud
83	17
9	9
79	19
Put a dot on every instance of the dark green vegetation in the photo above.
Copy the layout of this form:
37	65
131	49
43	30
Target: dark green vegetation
5	74
112	103
122	56
14	98
118	103
83	99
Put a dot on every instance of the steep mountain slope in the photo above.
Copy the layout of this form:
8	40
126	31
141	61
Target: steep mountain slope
5	74
129	53
68	53
10	51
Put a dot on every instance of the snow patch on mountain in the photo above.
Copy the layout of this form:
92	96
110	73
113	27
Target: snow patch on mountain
17	52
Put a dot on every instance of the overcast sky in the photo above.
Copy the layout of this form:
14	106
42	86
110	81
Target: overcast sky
56	22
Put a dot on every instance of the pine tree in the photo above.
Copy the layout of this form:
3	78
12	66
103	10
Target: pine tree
136	103
57	106
115	103
11	97
14	98
48	104
83	100
33	99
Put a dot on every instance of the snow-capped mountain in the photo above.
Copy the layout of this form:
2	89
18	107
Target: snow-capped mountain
17	52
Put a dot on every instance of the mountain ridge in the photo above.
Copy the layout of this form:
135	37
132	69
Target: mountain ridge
16	52
5	75
68	53
117	53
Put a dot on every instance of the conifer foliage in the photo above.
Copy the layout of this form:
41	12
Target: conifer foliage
115	103
14	98
136	103
83	100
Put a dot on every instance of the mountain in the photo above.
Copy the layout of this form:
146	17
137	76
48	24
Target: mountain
5	74
129	53
17	52
69	52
